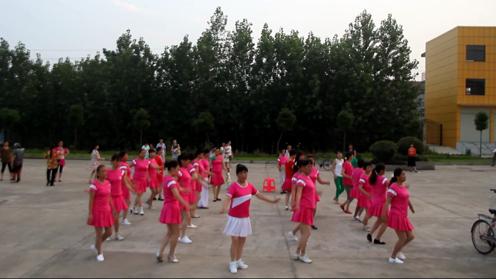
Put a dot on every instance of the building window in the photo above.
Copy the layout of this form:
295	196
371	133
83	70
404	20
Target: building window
476	53
475	86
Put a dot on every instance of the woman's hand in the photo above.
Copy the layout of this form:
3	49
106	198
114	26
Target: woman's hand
276	200
90	219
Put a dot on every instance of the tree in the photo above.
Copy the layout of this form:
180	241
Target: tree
204	124
141	121
481	125
285	121
345	120
8	118
76	119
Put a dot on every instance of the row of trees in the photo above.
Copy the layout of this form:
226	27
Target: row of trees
282	88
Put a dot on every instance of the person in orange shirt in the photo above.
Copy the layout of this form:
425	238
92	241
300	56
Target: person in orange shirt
412	158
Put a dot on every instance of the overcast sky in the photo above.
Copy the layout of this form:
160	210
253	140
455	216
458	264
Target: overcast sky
69	28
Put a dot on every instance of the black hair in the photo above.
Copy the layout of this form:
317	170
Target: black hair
292	152
184	157
116	157
397	173
366	164
171	164
241	168
360	163
98	169
348	155
198	153
159	148
122	154
373	177
304	163
205	151
152	150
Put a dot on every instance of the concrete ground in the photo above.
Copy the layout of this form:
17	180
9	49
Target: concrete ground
43	233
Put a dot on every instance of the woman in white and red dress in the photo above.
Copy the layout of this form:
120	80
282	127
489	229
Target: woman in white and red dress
238	226
185	179
117	177
171	212
364	191
126	194
379	185
100	210
304	207
398	202
315	176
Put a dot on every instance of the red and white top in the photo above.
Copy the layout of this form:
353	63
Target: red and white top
281	161
308	195
240	199
169	184
115	179
102	190
314	174
206	167
140	169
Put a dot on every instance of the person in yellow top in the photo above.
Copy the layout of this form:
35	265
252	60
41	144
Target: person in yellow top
52	166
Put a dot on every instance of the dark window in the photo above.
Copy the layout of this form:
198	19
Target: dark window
476	53
475	86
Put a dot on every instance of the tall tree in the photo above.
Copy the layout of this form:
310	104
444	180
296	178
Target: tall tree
481	125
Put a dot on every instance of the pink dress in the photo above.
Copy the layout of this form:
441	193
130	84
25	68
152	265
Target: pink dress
193	196
171	212
140	174
199	170
185	182
124	166
314	175
378	199
115	178
348	170
357	173
363	200
398	212
102	209
153	175
307	203
217	177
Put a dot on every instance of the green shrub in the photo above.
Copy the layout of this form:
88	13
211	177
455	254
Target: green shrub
383	150
404	144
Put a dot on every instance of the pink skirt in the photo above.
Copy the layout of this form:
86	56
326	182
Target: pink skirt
102	218
286	186
375	209
120	204
399	223
187	198
363	201
140	186
354	192
125	193
217	179
154	183
304	216
170	214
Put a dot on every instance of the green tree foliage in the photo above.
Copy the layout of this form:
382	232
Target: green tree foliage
344	123
224	86
285	121
383	150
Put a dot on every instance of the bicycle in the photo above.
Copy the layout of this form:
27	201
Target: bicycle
483	236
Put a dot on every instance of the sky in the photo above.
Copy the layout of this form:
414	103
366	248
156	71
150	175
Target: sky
74	29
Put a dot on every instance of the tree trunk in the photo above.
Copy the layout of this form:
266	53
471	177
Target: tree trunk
480	146
141	137
279	142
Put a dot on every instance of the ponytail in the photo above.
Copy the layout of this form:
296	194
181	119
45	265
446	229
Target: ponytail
373	177
397	173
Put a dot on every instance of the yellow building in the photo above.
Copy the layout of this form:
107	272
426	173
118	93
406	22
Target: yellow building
460	80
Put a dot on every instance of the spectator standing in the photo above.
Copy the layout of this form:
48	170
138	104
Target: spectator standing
6	155
18	156
162	147
175	150
412	158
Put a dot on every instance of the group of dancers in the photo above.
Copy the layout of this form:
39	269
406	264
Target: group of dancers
185	182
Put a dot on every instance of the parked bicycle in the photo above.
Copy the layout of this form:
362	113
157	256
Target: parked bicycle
483	236
325	164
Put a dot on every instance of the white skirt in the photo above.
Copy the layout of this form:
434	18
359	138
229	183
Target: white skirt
238	227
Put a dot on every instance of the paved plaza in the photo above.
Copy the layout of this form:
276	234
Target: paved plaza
43	233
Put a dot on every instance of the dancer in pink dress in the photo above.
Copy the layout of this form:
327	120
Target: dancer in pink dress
355	192
171	212
217	179
238	226
379	185
364	188
117	177
100	210
153	177
315	176
140	179
124	166
304	208
398	202
347	182
185	180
